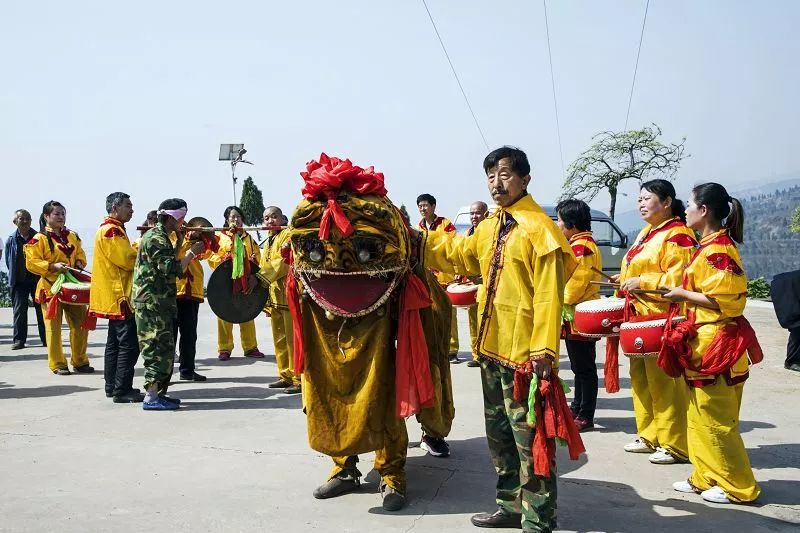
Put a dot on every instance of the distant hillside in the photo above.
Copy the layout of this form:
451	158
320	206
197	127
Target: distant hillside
769	247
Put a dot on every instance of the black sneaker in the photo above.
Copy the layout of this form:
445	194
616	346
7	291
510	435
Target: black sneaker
336	486
18	346
84	369
454	360
62	372
293	389
133	396
192	376
392	500
434	446
473	363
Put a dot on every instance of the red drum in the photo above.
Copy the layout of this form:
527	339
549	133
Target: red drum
599	318
644	338
74	293
463	294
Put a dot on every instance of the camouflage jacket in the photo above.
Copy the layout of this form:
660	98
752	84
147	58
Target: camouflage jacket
155	272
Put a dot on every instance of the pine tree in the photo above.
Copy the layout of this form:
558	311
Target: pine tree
252	204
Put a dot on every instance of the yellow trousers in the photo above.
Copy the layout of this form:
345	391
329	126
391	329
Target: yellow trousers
472	313
716	449
659	403
247	332
78	338
283	341
454	331
390	461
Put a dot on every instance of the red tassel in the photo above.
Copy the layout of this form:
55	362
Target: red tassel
553	419
522	383
293	300
333	211
90	322
611	367
52	308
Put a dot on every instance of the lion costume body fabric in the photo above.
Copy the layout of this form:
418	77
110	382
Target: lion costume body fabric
371	325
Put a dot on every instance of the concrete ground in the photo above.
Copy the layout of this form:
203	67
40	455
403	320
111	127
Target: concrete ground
236	458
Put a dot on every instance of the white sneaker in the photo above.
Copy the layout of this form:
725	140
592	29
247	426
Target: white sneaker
662	457
715	495
638	446
683	486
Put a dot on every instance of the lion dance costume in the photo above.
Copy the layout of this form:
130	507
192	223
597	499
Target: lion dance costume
371	327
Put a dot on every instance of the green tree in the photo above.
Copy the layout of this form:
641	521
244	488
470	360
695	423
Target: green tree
794	222
252	203
5	291
618	156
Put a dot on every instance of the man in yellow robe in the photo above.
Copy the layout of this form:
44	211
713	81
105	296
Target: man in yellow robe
524	261
280	318
477	212
110	298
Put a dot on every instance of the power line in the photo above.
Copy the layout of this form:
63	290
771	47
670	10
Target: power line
553	83
636	67
455	75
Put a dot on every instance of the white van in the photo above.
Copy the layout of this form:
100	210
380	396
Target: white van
611	240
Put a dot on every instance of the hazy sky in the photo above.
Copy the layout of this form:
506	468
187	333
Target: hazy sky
97	96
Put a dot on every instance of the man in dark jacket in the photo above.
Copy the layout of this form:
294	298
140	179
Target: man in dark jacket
786	299
21	282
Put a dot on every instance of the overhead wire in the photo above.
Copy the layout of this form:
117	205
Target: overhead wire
553	83
636	66
455	75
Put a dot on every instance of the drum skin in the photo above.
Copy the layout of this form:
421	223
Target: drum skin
235	308
599	318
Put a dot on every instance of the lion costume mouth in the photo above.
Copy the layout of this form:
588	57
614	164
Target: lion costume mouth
351	294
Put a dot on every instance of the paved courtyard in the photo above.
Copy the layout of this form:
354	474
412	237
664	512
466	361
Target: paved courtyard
235	457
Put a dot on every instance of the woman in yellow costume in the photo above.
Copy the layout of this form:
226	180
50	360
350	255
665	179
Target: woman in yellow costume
49	254
657	259
233	241
719	339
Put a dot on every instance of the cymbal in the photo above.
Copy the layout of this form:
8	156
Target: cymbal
199	222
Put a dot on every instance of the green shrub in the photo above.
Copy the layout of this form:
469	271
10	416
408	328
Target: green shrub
757	288
5	291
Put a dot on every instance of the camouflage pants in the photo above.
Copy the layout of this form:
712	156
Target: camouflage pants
154	328
510	439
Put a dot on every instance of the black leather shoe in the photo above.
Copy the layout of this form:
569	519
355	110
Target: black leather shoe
336	486
133	396
473	363
192	376
280	384
84	369
18	346
293	389
499	518
795	367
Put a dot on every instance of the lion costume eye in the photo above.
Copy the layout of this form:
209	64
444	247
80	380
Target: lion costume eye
314	249
367	249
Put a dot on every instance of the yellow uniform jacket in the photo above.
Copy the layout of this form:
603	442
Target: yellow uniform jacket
274	267
658	258
47	248
191	284
441	225
225	241
579	289
112	271
525	262
716	271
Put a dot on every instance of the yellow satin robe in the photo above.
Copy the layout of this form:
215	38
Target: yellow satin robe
716	449
522	293
112	271
659	401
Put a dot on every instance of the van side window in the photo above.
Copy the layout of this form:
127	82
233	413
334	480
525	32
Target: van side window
605	234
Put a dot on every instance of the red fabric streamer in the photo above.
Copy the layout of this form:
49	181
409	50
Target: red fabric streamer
293	300
52	308
611	367
728	345
413	382
90	322
326	177
210	241
553	419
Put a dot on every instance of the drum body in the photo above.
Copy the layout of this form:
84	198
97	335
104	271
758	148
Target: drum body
462	294
599	318
74	293
645	337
